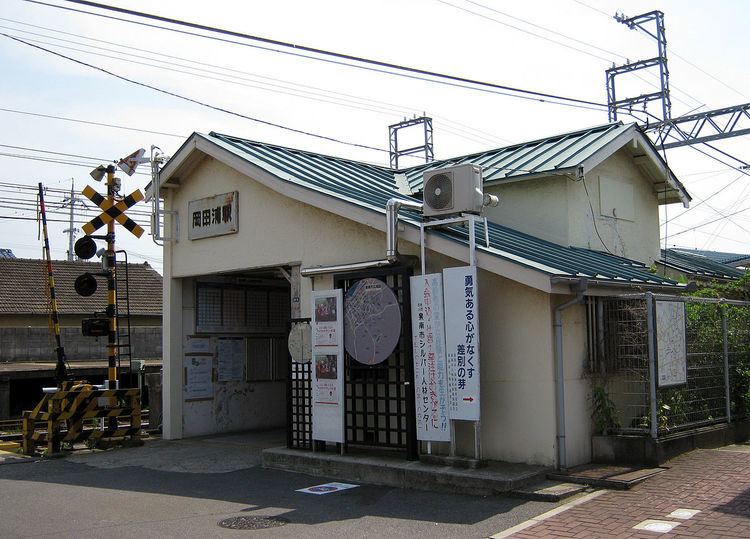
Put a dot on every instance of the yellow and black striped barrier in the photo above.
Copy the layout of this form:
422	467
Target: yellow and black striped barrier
64	411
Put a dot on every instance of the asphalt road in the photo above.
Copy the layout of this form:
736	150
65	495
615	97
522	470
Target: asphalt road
183	489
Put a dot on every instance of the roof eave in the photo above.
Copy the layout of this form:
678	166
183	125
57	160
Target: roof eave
611	285
181	162
633	135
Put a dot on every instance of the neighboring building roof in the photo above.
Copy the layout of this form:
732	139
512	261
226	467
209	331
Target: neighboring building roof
694	264
730	259
6	253
370	186
564	154
23	288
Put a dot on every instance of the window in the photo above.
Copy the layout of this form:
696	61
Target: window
233	308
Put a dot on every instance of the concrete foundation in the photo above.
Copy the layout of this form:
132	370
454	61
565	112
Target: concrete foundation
379	469
643	450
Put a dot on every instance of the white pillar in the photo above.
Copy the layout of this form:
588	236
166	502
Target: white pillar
172	356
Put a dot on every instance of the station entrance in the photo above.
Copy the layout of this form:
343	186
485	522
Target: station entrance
379	398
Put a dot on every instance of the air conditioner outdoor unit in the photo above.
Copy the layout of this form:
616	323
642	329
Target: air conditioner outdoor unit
453	190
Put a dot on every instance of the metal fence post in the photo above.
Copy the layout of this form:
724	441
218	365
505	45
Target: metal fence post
725	332
652	364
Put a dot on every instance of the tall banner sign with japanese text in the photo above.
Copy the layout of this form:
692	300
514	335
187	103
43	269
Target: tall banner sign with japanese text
462	341
328	366
428	341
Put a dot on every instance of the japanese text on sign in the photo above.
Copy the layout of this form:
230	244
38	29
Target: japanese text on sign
462	342
213	216
428	342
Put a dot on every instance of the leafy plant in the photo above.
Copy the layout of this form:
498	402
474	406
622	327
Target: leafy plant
603	410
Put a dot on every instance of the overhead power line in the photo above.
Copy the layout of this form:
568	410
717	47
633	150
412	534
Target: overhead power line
195	101
727	216
338	58
89	122
295	89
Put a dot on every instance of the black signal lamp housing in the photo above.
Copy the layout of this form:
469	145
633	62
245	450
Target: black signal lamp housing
85	247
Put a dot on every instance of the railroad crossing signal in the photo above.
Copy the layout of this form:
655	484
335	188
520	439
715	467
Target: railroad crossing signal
113	211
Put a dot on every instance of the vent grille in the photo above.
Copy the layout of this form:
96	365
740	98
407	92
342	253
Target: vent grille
438	191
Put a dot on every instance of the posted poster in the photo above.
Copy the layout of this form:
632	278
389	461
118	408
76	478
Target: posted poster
671	348
198	373
197	345
430	371
232	356
326	317
462	341
326	374
328	366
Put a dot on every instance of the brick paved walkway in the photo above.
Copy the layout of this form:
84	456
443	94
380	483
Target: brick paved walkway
715	482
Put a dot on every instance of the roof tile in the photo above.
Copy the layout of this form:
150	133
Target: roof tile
23	288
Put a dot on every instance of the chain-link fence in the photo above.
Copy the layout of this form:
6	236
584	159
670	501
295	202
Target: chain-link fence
662	364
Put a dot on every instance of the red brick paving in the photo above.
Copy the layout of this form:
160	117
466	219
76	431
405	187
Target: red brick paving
715	482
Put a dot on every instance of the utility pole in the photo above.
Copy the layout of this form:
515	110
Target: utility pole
71	201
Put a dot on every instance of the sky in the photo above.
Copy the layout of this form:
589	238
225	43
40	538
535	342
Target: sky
60	118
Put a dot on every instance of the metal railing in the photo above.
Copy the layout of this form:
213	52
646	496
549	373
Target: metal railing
661	378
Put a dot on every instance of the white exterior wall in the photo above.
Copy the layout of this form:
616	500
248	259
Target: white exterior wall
637	237
273	231
538	207
517	385
577	385
556	208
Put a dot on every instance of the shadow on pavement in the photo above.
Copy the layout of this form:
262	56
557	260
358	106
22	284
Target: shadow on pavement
227	468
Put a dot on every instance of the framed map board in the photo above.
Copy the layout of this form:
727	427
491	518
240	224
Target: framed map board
671	345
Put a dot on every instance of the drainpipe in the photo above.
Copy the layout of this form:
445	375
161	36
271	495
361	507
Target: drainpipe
392	208
579	288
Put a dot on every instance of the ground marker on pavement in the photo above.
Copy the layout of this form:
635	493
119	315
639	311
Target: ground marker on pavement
683	514
327	488
658	526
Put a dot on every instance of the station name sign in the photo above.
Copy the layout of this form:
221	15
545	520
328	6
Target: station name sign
213	216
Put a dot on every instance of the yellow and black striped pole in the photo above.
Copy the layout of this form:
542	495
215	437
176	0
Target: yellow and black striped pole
111	286
60	367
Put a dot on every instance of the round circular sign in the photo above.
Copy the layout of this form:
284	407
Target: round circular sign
372	321
300	342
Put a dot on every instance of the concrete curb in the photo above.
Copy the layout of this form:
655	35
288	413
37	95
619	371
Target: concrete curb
500	479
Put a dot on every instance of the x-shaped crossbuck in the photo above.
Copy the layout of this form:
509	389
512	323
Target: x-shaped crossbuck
112	210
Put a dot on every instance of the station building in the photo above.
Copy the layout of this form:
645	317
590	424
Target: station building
257	228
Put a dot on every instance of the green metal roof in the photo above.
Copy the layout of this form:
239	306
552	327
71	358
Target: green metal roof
546	156
371	186
698	265
731	259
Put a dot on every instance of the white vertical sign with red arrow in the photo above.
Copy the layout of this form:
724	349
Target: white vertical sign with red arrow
461	309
